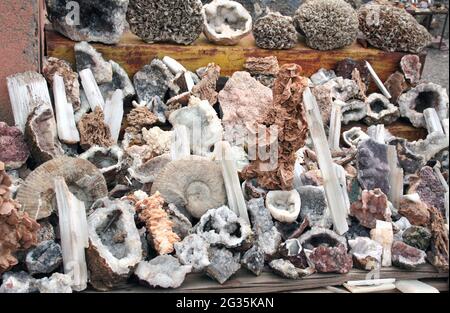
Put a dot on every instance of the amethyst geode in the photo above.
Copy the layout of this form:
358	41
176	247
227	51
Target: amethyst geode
14	151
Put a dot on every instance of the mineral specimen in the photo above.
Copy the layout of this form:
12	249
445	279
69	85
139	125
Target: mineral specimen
157	141
164	271
322	76
263	70
113	111
114	244
366	253
354	136
318	236
44	258
199	185
224	264
373	206
94	131
54	66
284	268
425	95
17	229
378	22
353	110
139	118
293	251
14	152
206	88
396	85
222	226
384	235
146	171
346	68
90	93
410	161
275	31
178	21
157	223
226	22
314	206
253	260
181	224
87	57
327	25
286	113
193	251
414	209
373	167
108	160
411	67
37	192
284	205
120	80
417	237
380	110
243	101
100	21
439	252
20	282
57	283
407	257
331	259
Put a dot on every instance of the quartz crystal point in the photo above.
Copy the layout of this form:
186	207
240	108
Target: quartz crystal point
26	90
73	229
335	127
181	147
378	81
91	89
65	119
236	201
114	114
384	235
336	200
396	176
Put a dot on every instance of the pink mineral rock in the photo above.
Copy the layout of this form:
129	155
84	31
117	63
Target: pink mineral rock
14	151
407	257
331	259
411	67
372	206
415	210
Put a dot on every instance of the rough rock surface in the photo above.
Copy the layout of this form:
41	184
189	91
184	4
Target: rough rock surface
331	259
263	70
314	206
224	264
415	210
417	237
178	21
253	260
293	251
87	57
407	257
94	131
100	21
275	31
396	85
346	67
20	282
120	80
284	268
206	88
164	271
379	21
44	258
139	118
410	161
411	67
243	101
372	206
373	168
366	253
327	24
439	252
14	151
57	283
380	110
193	251
288	114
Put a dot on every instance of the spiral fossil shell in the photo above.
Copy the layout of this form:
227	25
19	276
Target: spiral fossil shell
36	194
195	184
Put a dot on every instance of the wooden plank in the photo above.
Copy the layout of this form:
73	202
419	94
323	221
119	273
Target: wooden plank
245	282
132	53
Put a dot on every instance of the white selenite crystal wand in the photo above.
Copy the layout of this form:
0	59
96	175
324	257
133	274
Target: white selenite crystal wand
91	89
113	114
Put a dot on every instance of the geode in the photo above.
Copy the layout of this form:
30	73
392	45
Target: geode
224	264
392	29
366	253
424	96
275	31
87	57
373	206
417	237
193	251
314	206
178	21
380	110
352	110
373	167
88	20
327	24
253	260
57	283
411	67
14	151
293	251
407	257
44	258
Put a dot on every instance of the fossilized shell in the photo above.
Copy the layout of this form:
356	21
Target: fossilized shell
284	205
380	110
114	243
226	22
148	171
195	184
36	194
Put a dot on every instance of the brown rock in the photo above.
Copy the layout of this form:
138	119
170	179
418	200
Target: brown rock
346	67
415	210
14	151
262	66
372	206
206	88
396	85
439	254
94	131
139	118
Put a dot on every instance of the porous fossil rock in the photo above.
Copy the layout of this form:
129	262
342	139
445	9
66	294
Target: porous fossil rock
100	21
373	167
414	209
411	67
94	131
424	96
178	21
396	85
418	237
380	110
243	101
164	271
327	25
379	21
314	206
193	251
222	226
372	206
224	264
366	253
407	257
114	244
87	57
275	31
44	258
206	88
199	185
14	151
226	22
288	114
54	66
284	205
36	194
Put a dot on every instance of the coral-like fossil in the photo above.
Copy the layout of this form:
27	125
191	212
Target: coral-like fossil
157	223
275	31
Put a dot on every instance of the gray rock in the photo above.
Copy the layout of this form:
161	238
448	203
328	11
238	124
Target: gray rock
44	258
46	231
253	260
87	57
193	250
322	76
99	20
159	108
284	268
410	161
224	264
120	80
20	282
315	207
353	111
293	251
181	224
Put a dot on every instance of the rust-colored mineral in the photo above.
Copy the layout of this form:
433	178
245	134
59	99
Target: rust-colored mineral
396	85
372	206
157	223
17	229
94	131
206	88
139	118
287	114
415	210
439	253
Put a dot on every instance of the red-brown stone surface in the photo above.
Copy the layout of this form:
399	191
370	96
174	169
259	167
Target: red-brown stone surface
372	206
14	151
439	253
331	259
415	211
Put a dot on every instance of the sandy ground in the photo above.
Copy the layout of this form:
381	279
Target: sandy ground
436	67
